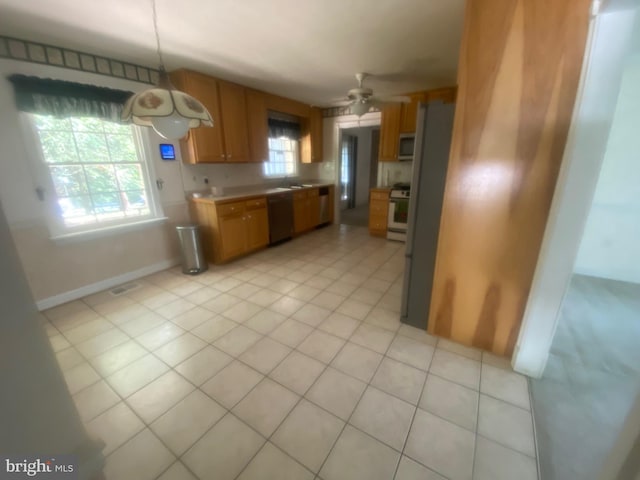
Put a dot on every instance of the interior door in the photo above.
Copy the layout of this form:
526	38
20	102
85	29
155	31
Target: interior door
349	151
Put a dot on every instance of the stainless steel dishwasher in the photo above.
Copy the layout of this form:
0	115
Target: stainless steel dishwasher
325	214
280	206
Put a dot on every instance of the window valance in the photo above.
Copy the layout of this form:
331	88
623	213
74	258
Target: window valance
283	128
60	98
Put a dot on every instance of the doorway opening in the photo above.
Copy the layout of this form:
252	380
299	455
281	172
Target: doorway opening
358	173
592	375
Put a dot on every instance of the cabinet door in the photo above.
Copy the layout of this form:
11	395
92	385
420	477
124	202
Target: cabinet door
409	112
202	144
233	236
300	208
234	114
257	121
314	208
389	132
257	222
311	141
378	212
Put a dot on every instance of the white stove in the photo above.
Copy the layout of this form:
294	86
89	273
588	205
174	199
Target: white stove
398	212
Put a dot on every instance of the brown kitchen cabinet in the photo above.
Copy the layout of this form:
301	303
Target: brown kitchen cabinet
389	132
257	119
409	112
228	139
257	223
378	211
231	229
203	144
233	107
311	143
399	119
306	210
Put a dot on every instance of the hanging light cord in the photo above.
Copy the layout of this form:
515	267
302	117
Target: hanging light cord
155	26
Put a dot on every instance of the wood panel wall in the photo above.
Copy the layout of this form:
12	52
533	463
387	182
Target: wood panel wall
518	74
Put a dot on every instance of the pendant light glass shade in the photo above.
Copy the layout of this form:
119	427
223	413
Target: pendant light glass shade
360	108
170	112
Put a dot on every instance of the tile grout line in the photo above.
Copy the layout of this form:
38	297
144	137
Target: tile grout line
360	322
347	422
406	439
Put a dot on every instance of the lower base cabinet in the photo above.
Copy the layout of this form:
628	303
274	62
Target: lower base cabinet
306	210
378	212
231	229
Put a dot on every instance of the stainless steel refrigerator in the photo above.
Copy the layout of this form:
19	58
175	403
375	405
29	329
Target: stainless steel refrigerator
431	157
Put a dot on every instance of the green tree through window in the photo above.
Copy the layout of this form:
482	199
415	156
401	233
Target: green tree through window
97	174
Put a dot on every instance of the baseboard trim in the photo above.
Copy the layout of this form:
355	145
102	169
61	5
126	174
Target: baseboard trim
617	275
104	284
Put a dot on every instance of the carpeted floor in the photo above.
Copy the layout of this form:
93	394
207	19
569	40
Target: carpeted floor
591	378
358	216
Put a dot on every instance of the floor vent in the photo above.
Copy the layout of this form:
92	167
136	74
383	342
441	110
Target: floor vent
120	289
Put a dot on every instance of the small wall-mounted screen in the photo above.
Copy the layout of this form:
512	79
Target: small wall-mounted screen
167	151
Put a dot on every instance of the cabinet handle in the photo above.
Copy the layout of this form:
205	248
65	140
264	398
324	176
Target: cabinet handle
229	156
222	155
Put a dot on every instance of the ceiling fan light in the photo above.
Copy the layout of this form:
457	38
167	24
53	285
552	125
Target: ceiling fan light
360	108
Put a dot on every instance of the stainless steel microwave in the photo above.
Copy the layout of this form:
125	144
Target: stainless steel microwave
405	146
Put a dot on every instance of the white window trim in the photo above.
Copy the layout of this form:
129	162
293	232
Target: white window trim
296	165
58	231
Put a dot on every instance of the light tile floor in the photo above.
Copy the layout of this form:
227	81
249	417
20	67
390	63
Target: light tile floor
288	364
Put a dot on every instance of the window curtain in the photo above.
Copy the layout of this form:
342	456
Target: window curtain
63	99
283	128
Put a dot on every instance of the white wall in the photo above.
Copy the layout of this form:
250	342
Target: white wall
59	271
37	413
610	247
394	172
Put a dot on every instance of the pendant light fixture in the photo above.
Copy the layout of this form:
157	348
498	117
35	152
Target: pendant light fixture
170	112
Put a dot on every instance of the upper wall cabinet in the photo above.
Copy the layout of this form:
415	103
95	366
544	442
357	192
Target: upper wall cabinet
311	144
204	144
240	130
389	132
233	107
257	119
401	118
228	139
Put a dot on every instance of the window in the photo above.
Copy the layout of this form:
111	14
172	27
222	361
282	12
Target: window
97	175
283	158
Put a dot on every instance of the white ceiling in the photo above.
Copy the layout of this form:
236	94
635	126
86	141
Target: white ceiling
304	49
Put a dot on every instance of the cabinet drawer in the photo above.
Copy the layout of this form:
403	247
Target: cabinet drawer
378	208
230	209
379	195
313	192
256	203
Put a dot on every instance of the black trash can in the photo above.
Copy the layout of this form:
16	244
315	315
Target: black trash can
193	261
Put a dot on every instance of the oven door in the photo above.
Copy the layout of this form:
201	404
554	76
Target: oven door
398	214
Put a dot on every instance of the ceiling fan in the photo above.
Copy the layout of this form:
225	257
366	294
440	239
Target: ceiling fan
361	99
